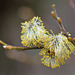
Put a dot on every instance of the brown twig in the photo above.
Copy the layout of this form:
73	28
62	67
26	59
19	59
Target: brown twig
72	4
9	47
54	14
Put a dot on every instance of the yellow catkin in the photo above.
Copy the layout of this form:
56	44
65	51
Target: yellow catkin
56	50
33	32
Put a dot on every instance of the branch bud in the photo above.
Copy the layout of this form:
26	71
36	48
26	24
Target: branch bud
7	47
59	20
53	5
53	14
70	39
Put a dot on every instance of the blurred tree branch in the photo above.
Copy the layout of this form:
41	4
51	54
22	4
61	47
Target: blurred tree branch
72	4
22	57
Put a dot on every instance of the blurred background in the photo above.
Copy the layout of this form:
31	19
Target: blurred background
12	13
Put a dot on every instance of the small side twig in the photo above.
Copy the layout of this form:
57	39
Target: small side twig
54	14
72	4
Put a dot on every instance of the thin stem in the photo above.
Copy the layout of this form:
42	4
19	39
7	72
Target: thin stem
54	14
63	29
10	47
72	4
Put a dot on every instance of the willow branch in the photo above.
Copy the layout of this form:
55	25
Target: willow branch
10	47
59	20
54	14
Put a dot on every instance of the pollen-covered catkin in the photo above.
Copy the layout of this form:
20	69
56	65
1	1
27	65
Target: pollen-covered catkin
33	32
56	49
